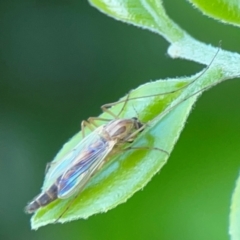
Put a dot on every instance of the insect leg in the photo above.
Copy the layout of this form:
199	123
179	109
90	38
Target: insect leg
147	148
66	209
87	124
105	107
91	124
92	120
108	105
77	194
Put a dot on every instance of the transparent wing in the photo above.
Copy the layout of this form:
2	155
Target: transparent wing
87	163
58	168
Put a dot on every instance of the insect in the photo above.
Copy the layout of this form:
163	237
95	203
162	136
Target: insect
70	175
76	168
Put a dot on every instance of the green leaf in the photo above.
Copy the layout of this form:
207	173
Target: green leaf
148	14
227	11
235	213
130	171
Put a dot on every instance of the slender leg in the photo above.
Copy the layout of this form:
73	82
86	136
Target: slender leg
66	209
147	148
85	124
93	120
105	107
91	124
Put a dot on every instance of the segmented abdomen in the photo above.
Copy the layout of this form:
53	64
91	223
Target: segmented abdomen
43	199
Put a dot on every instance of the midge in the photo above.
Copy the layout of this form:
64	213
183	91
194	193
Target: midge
76	168
69	175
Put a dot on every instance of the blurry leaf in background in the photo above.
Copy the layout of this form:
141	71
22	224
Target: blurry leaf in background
226	11
145	14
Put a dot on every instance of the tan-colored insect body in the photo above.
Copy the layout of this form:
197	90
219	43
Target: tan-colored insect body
86	159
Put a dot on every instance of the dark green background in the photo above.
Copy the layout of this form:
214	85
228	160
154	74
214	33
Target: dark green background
59	62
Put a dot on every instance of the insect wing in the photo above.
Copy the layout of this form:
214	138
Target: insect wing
89	161
60	167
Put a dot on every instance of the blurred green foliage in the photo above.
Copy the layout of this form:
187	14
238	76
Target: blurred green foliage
59	62
226	11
